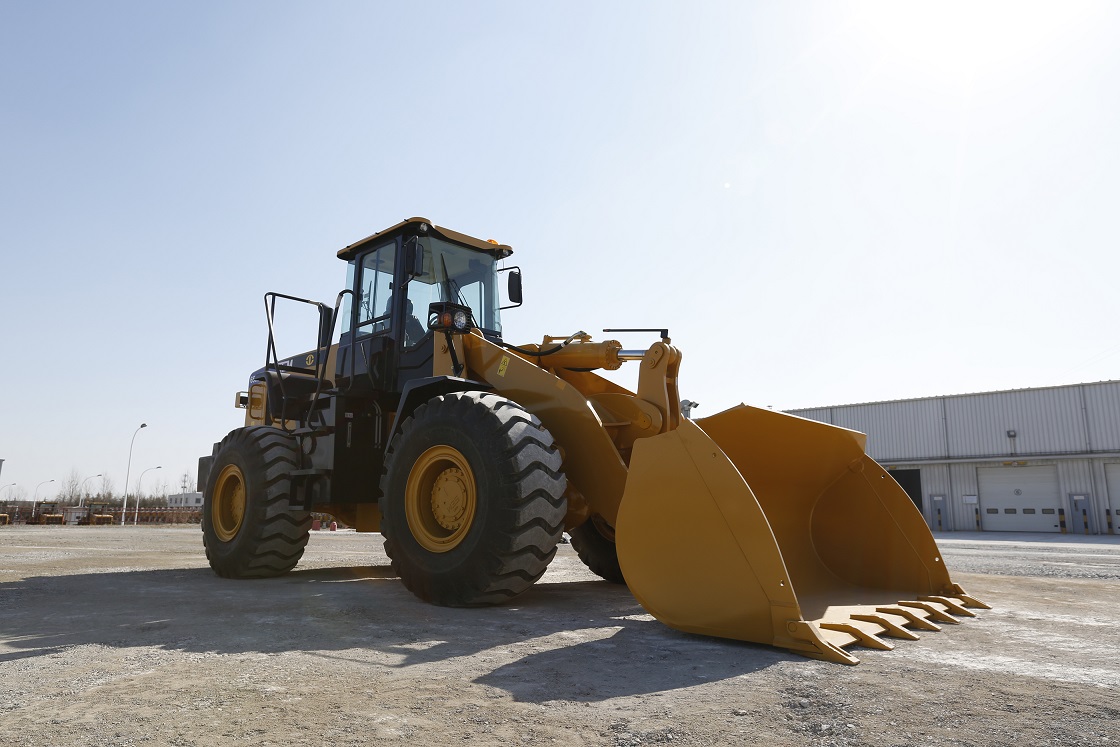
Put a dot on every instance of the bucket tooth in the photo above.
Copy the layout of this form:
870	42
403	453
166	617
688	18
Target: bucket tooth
915	619
818	642
968	599
836	635
953	605
890	625
862	634
934	611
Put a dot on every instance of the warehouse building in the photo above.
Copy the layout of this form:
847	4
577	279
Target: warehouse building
1026	460
184	500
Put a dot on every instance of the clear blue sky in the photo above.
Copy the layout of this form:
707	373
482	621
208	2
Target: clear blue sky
826	202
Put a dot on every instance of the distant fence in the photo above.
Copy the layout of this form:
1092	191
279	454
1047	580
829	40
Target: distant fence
104	516
161	516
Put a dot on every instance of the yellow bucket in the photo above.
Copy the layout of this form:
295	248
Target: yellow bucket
760	526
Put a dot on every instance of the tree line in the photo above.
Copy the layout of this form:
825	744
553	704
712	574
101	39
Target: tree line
74	489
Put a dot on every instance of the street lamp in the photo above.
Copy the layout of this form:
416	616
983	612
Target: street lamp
136	515
124	506
82	497
7	486
35	495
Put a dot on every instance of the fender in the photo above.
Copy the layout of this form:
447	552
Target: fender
418	391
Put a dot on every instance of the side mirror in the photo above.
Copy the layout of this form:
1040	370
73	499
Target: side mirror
513	287
414	257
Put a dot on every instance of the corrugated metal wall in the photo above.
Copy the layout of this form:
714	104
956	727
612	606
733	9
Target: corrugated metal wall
1081	418
899	432
1048	421
1102	402
1076	428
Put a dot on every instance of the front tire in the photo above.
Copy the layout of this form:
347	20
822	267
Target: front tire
247	528
472	500
593	541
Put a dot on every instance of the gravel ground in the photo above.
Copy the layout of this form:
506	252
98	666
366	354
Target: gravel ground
123	636
1048	555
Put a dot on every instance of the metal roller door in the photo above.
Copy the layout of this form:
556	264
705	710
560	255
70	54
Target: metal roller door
1112	478
1019	499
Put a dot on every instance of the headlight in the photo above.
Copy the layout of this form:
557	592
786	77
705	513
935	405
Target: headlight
450	317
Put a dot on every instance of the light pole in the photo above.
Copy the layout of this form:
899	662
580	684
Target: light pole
136	515
7	486
124	506
82	497
35	495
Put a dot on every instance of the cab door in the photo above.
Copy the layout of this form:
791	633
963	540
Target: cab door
370	332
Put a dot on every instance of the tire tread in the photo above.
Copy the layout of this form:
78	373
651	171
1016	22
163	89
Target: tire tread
272	544
531	499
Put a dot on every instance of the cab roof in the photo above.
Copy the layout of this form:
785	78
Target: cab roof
498	250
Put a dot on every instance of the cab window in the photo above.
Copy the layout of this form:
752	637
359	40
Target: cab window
375	291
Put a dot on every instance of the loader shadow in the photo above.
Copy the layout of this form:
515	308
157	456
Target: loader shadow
564	640
644	657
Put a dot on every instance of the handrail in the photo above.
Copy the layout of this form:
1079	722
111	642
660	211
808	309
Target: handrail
272	358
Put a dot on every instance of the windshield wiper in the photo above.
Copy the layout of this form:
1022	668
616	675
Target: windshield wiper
452	287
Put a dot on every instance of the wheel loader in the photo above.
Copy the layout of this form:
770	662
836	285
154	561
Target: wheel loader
472	456
45	513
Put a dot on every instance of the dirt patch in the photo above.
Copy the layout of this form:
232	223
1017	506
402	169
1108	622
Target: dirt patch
123	636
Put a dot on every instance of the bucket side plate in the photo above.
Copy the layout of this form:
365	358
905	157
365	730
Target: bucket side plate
698	553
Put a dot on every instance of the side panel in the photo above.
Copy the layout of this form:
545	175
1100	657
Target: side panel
355	449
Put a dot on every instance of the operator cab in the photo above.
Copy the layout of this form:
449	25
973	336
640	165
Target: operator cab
397	280
436	270
407	288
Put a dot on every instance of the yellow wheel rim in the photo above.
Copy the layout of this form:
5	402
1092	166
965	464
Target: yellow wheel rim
440	499
227	510
603	527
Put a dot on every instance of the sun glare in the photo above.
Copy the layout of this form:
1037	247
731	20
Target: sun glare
960	43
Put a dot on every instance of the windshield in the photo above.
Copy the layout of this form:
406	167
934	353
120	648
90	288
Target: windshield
459	275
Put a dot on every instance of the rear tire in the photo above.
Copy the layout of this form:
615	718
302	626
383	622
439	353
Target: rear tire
593	541
247	528
472	500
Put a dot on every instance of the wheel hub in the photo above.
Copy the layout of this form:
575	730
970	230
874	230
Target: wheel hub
449	498
440	498
228	507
